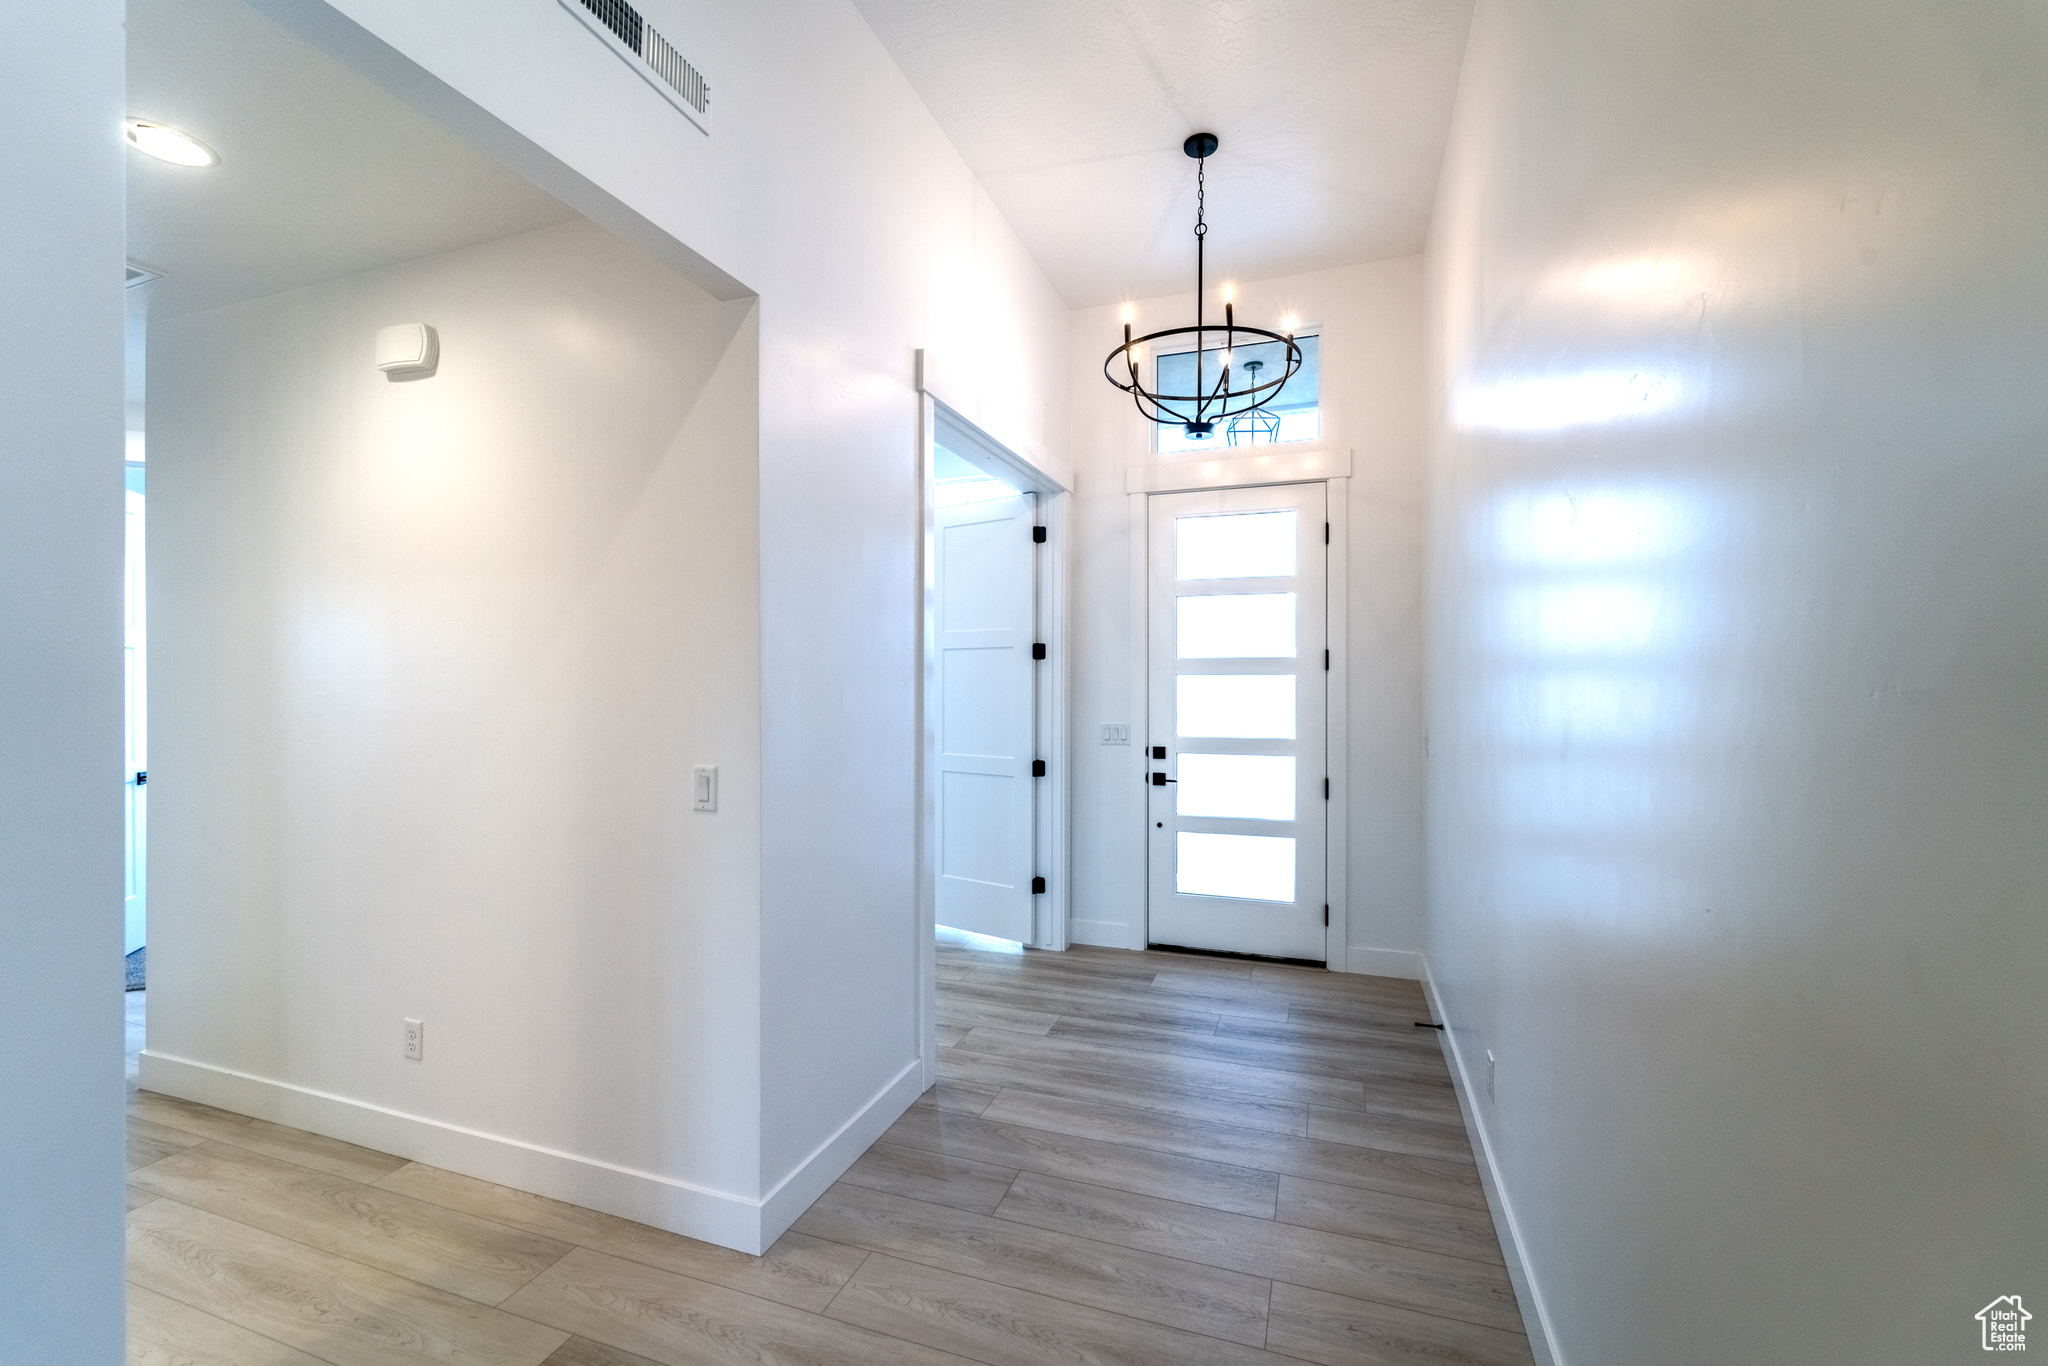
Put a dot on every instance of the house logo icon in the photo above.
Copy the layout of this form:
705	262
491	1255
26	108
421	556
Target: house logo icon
2005	1324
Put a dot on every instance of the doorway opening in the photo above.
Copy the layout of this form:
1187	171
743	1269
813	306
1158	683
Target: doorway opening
312	175
355	553
992	862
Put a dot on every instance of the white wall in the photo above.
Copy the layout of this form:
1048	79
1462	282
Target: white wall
1739	699
60	678
1370	320
433	662
826	189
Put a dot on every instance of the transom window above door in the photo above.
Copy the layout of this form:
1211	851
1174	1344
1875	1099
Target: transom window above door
1293	414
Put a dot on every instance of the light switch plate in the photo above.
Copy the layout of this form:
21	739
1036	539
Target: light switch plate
704	787
1117	733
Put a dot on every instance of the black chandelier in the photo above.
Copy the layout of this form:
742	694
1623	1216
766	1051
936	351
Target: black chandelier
1208	405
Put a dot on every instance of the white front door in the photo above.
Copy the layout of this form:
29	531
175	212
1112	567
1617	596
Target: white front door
1239	684
986	595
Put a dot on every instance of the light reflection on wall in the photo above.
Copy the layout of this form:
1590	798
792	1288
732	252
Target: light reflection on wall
1593	656
1648	283
1589	796
1603	526
426	458
1549	403
1651	305
1592	707
1582	618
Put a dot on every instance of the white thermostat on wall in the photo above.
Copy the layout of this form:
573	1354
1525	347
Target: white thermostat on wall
407	350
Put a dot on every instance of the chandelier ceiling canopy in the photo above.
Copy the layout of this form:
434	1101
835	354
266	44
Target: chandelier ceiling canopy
1239	394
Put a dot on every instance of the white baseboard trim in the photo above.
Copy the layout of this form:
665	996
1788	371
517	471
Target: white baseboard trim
1535	1317
710	1215
830	1159
1403	963
1103	934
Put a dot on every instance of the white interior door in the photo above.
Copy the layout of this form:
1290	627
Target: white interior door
135	667
985	588
1239	685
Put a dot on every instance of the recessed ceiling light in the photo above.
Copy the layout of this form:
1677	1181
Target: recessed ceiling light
168	144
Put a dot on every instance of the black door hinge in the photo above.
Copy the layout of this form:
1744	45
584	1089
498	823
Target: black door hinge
1038	652
1038	886
1326	789
1038	768
1326	915
141	778
1038	535
1326	661
1326	533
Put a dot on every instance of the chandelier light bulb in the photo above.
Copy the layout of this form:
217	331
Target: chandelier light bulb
1230	294
1287	324
1129	313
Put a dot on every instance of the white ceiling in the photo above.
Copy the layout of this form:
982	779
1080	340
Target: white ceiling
321	173
1332	114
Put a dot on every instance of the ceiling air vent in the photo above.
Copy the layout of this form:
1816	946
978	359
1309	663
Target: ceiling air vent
647	52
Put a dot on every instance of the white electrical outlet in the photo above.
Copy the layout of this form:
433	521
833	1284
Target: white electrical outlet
415	1041
704	787
1117	733
1492	1070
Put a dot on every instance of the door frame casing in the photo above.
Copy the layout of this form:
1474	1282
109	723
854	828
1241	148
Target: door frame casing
1321	465
1052	797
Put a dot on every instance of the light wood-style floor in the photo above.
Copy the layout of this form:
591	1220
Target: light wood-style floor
1130	1159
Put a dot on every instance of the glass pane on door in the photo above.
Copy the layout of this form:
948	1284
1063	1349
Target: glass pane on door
1247	867
1235	706
1245	787
1236	545
1235	626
